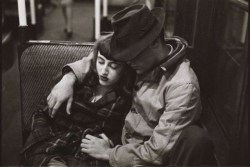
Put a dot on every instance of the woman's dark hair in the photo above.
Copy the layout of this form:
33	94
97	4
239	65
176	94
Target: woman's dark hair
126	82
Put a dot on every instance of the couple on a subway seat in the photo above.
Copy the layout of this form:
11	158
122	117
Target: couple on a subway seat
134	101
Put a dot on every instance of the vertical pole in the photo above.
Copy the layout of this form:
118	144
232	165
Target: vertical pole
33	12
23	28
97	19
105	8
33	19
244	28
150	3
22	13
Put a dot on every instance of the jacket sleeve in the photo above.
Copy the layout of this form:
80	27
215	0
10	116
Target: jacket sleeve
181	102
80	68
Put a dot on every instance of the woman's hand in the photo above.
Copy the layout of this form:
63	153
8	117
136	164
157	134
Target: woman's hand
96	147
62	91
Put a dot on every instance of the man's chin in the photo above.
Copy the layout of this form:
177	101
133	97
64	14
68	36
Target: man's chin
139	72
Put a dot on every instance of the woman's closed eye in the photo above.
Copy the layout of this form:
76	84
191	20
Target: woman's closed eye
114	65
100	60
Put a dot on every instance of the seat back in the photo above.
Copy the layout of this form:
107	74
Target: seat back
39	63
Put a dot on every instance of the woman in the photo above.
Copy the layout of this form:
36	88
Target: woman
100	106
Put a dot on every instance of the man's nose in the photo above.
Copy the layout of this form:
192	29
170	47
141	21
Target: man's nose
129	62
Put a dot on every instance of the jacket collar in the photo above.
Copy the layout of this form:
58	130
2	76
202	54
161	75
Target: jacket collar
107	98
177	47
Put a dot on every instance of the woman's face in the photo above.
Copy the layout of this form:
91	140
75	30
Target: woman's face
109	71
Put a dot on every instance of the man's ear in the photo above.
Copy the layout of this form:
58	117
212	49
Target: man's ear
155	43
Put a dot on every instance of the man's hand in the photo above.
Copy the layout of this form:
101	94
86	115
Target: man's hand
63	91
96	147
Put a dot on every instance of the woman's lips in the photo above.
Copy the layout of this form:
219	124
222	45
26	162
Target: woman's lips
103	78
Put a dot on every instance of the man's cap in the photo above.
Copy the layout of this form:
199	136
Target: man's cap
135	28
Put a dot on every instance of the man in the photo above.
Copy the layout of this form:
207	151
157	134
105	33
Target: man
162	125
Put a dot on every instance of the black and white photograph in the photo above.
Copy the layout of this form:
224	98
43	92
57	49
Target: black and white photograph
125	83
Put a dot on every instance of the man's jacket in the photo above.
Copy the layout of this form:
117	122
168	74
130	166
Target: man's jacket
165	101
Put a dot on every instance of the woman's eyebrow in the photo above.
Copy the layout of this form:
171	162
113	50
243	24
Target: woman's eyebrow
100	58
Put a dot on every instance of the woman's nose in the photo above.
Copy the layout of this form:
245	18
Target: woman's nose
105	70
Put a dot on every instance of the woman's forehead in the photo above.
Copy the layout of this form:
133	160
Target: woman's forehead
102	56
106	59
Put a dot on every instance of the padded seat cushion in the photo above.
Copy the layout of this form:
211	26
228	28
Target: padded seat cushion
39	64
